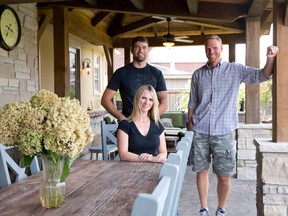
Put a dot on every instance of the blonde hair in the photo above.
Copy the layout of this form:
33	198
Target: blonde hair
211	37
153	113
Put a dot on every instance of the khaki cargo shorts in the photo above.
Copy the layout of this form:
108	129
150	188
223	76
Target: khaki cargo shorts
218	149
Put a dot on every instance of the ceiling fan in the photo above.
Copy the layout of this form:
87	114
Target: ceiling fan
170	38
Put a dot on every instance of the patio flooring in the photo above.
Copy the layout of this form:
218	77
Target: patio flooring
241	202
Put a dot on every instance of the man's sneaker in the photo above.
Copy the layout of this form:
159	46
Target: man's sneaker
220	212
204	212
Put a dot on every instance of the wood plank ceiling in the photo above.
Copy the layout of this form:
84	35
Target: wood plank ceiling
112	23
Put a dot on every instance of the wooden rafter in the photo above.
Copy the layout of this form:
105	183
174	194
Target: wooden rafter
285	13
257	7
4	2
193	6
136	26
42	25
206	10
139	4
99	17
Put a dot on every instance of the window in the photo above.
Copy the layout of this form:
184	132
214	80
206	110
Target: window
96	73
74	73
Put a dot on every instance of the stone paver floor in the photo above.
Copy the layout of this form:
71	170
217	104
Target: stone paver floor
241	202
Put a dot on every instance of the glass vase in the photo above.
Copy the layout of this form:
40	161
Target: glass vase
52	190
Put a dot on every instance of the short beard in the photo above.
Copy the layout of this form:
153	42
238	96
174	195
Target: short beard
139	59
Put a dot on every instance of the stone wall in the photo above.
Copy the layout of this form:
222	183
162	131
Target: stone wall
19	78
272	178
246	150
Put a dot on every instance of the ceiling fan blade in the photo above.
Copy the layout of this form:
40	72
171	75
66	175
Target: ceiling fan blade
177	20
168	19
182	37
183	40
159	17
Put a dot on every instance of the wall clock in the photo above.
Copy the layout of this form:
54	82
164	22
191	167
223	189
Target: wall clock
10	28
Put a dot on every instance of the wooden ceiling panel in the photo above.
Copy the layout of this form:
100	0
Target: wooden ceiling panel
122	20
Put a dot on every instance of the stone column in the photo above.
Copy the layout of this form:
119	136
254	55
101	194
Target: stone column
272	178
246	150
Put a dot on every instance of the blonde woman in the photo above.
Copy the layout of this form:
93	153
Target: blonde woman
141	137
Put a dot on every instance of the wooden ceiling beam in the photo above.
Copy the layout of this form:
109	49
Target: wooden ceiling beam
285	13
179	9
136	26
91	2
193	6
227	26
81	28
5	2
198	40
266	20
42	25
139	4
99	17
257	7
115	24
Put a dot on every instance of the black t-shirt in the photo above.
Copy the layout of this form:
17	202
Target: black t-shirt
128	79
137	143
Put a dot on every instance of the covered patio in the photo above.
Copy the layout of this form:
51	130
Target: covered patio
112	24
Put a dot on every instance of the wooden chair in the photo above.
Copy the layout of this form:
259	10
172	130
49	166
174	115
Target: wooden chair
152	204
175	160
179	159
109	142
163	206
184	149
7	162
188	137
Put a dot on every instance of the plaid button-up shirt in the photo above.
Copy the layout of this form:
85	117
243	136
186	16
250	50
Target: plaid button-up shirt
214	96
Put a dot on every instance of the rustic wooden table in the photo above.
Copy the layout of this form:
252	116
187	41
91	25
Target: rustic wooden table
99	188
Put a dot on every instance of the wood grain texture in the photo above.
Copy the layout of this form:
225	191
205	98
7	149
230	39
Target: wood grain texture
93	188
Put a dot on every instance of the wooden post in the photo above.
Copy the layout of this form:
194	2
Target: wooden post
252	96
231	52
61	52
127	56
280	77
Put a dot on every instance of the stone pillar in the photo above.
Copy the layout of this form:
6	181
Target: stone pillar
272	178
246	150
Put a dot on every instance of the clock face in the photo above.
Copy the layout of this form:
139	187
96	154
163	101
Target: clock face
10	28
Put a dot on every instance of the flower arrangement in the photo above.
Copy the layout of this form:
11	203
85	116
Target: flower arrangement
46	124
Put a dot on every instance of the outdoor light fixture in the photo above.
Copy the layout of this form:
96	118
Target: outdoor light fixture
86	65
168	44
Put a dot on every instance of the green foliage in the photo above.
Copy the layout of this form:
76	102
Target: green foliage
26	160
266	94
67	165
72	93
184	97
241	95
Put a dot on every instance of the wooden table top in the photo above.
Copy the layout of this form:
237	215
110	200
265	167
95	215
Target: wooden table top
102	188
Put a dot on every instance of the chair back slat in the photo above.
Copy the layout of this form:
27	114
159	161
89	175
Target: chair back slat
108	132
7	162
152	204
189	135
171	168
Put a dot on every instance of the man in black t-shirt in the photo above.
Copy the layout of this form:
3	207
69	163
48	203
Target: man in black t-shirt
130	77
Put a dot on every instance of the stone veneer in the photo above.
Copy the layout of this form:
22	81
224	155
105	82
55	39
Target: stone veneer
272	178
246	150
19	79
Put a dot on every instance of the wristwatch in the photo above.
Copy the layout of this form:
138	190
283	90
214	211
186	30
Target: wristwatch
10	28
